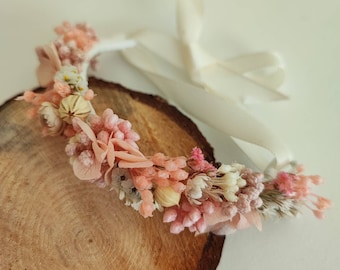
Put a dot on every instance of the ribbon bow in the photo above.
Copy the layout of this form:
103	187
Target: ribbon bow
212	90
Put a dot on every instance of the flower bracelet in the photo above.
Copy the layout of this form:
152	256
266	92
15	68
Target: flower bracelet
191	192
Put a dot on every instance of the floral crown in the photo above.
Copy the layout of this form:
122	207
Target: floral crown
191	192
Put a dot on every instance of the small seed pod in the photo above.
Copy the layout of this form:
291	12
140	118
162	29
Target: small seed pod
74	106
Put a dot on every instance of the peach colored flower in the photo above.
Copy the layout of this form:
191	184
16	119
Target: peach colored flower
147	206
62	88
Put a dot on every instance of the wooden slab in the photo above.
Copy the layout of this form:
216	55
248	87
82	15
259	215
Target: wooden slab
51	220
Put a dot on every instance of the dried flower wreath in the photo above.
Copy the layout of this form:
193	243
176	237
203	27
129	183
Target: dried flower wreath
190	191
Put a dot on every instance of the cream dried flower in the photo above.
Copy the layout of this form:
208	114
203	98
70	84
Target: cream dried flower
195	186
229	180
69	74
74	106
50	119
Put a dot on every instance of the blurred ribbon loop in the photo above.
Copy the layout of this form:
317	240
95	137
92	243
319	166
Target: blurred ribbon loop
212	90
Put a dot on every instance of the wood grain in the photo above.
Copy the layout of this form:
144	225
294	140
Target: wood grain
51	220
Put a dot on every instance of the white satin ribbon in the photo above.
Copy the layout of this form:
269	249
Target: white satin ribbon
117	43
209	89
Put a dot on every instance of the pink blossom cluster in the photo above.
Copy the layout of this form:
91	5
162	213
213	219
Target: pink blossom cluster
298	186
188	216
165	172
212	214
69	48
197	162
73	42
101	144
248	196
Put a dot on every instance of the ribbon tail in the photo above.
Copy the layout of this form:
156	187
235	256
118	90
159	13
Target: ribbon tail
270	80
264	68
189	20
235	87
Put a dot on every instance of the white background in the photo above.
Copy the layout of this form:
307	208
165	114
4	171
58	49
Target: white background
306	34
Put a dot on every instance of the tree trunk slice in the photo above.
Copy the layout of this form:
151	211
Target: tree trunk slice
51	220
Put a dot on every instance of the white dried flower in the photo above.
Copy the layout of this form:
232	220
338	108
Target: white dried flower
195	186
229	180
70	75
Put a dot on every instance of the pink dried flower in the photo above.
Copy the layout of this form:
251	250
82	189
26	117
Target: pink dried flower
284	183
103	136
179	187
70	149
83	35
62	88
74	42
208	207
158	159
69	131
229	210
96	123
187	216
298	187
197	162
141	182
28	96
179	174
243	204
170	215
86	158
322	203
147	206
197	155
89	95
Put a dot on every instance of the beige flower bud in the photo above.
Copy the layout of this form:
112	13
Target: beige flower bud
230	178
49	118
166	196
241	182
230	196
74	106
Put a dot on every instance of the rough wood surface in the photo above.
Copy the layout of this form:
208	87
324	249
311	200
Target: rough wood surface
51	220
